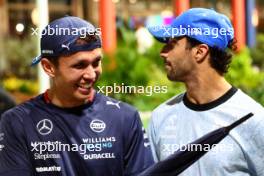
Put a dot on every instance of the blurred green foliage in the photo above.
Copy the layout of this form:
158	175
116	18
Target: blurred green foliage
128	67
247	77
132	68
257	52
17	75
14	84
18	54
242	74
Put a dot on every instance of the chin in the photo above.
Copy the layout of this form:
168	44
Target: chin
173	78
81	97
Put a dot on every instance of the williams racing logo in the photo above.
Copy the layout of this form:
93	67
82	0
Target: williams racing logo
90	148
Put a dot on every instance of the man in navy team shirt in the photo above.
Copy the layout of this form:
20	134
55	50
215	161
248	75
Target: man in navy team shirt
6	101
71	129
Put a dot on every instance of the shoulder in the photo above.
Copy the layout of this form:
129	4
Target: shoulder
109	103
170	102
12	121
243	99
18	113
166	108
117	109
125	117
243	104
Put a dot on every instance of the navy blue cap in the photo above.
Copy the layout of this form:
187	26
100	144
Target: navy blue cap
58	38
204	25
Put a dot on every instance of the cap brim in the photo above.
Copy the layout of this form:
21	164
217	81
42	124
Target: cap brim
160	33
36	60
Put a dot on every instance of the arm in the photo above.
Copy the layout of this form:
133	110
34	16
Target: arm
137	150
255	153
152	139
13	154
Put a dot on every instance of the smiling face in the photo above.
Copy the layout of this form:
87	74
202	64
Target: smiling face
74	76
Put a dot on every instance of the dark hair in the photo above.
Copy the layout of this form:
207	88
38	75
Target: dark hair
219	59
54	60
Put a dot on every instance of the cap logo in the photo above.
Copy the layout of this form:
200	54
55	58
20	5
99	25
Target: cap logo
47	51
67	46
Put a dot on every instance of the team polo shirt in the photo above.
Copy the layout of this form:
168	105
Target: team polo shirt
104	137
178	122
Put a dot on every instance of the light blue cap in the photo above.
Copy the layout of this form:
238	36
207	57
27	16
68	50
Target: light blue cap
204	25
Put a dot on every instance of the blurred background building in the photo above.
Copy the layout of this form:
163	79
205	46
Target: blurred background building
15	14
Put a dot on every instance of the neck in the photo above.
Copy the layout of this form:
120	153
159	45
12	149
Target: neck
206	88
64	101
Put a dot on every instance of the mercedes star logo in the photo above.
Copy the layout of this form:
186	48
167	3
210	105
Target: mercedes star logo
45	126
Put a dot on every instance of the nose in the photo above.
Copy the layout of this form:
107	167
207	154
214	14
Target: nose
89	73
164	55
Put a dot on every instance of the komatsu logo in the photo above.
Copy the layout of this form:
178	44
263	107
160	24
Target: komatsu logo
97	126
48	169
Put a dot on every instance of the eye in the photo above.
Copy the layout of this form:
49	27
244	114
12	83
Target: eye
166	48
79	65
96	62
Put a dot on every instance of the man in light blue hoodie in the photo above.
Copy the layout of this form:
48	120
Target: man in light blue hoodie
196	53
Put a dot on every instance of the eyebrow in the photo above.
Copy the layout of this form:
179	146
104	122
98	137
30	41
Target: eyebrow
98	58
81	59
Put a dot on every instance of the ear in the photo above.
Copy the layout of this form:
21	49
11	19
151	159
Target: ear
48	67
200	53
